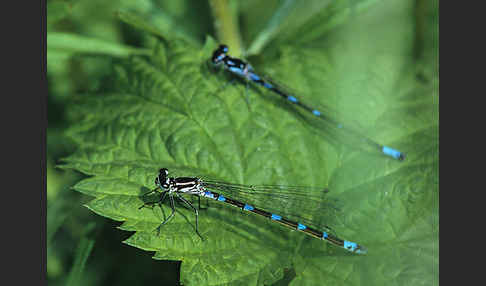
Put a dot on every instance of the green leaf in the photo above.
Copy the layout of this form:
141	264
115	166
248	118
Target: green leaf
72	43
169	110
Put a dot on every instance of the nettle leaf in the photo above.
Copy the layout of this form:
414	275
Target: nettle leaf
170	110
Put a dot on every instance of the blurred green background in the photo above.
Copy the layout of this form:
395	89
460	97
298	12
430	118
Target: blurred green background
84	38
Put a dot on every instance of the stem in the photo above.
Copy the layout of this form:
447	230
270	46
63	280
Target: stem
272	27
225	25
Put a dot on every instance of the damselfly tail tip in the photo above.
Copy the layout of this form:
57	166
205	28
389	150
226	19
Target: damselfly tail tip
361	250
354	247
401	157
393	153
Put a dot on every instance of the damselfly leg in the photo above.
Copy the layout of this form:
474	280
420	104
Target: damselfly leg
195	212
151	204
172	206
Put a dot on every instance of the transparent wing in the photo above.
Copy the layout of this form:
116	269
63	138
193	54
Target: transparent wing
307	205
327	119
326	110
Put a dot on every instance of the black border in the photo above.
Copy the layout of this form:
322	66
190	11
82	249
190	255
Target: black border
43	123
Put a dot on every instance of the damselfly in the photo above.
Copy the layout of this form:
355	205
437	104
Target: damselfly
245	71
232	193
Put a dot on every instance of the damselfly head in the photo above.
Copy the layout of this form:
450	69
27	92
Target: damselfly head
219	54
223	48
163	172
163	179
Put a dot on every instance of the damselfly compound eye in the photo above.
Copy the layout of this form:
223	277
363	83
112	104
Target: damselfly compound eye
164	171
223	48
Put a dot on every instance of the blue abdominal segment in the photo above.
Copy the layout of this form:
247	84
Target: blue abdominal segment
391	152
276	217
248	208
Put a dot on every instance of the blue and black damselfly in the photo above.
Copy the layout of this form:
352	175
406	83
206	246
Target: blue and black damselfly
245	71
232	193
